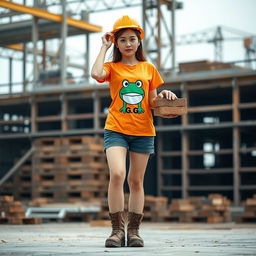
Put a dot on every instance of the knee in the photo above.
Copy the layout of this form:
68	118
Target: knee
117	178
135	184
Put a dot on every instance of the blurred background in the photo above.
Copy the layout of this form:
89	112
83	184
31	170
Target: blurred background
52	113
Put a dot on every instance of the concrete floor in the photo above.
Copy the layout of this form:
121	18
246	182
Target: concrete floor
160	239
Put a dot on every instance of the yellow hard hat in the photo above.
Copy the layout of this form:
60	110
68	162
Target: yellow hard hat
127	22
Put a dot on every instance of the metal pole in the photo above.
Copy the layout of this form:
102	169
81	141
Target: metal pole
144	25
24	66
87	57
85	16
159	37
35	51
63	63
35	36
173	36
10	75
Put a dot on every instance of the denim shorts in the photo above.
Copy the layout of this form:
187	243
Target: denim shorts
138	144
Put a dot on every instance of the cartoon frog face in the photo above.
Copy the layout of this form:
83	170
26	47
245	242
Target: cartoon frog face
132	93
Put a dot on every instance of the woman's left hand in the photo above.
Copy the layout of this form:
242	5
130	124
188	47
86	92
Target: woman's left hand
167	94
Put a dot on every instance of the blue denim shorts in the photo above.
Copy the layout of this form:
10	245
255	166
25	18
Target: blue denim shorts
138	144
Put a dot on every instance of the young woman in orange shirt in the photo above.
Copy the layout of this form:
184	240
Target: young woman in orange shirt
129	125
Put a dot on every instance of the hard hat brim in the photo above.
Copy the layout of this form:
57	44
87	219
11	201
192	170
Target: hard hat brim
130	26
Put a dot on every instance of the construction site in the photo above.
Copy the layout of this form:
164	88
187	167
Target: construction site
201	181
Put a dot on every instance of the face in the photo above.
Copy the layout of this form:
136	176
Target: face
128	43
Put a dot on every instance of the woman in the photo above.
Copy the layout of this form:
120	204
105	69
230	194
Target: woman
129	124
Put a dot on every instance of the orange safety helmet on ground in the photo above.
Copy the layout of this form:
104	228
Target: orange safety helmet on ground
127	22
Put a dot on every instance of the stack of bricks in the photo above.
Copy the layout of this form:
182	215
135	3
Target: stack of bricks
69	169
249	210
164	107
13	212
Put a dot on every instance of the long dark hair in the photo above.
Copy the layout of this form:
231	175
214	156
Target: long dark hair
117	56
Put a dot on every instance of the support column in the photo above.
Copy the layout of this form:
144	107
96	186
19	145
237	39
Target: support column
44	55
64	112
185	148
236	144
96	111
24	66
34	114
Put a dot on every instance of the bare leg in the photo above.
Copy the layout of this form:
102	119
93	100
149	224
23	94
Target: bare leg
116	157
138	164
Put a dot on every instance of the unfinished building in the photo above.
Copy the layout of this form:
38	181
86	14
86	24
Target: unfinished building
212	149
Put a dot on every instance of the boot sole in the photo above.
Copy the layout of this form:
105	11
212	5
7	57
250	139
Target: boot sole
114	244
135	243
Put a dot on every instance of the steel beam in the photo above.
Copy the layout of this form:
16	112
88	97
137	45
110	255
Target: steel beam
17	165
39	13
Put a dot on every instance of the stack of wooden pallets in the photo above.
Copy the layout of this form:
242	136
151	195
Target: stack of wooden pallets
182	210
69	169
19	185
213	209
13	212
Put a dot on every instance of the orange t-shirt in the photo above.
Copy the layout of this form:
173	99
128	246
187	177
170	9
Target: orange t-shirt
129	112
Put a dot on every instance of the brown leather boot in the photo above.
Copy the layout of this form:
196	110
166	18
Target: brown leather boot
133	238
117	237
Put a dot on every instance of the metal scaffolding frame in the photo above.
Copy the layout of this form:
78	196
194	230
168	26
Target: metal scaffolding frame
152	12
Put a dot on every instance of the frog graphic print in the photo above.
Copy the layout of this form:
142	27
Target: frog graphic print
132	93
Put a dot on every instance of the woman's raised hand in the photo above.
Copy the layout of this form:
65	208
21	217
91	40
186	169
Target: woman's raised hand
106	39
